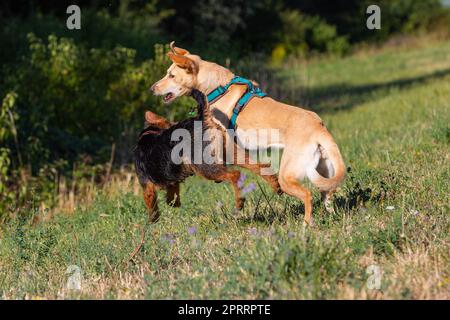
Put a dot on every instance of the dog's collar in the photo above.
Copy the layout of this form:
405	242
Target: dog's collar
251	92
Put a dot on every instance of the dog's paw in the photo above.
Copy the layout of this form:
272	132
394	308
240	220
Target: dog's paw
240	204
309	223
174	203
329	207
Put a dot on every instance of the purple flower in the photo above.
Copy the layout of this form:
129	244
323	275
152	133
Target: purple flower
290	234
168	238
251	187
192	230
241	180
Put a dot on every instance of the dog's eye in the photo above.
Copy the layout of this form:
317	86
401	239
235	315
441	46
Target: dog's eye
171	76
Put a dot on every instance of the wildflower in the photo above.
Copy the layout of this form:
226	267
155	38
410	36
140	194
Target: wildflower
192	230
390	208
168	238
251	187
253	231
241	180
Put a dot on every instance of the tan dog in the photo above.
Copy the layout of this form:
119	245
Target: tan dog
308	148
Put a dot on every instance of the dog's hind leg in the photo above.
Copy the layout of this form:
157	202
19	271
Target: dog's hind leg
325	169
233	178
256	169
327	198
220	173
153	214
290	175
173	195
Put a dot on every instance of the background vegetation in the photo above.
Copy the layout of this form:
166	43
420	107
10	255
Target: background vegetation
73	103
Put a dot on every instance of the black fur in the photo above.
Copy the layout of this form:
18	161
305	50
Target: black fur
153	151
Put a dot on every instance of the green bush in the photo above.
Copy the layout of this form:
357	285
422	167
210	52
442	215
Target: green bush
412	16
302	34
397	16
73	103
7	130
99	29
73	100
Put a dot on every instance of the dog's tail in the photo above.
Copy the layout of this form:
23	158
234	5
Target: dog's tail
328	150
204	114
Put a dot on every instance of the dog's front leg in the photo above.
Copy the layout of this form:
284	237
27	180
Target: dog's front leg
173	195
219	173
150	202
153	213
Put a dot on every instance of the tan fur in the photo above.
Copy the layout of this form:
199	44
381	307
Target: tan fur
176	50
154	119
150	202
309	149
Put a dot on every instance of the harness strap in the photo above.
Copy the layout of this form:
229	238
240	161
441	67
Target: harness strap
217	93
251	92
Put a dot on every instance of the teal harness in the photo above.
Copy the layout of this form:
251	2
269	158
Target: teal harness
252	91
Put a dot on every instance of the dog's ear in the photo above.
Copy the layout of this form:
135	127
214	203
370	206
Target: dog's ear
184	62
150	117
177	50
155	120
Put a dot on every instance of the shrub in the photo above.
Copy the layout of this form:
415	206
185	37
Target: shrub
7	129
74	103
73	100
302	34
99	29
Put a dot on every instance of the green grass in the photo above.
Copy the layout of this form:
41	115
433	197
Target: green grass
389	113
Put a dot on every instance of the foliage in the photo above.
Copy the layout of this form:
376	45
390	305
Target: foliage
397	16
79	100
301	34
221	29
74	103
100	29
8	116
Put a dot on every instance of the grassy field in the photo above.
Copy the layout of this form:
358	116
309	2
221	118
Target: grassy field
389	112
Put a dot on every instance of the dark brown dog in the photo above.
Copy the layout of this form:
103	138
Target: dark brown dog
155	168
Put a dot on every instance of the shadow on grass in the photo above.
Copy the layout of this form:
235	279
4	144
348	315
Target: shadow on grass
344	97
353	197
